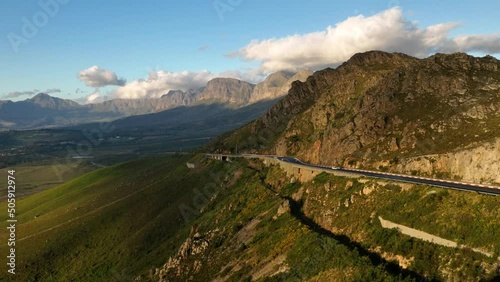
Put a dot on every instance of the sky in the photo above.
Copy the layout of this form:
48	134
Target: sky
91	50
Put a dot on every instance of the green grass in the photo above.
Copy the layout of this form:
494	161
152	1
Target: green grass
308	252
464	217
119	222
31	179
113	221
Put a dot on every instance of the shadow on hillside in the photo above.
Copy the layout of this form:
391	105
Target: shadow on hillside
376	259
296	211
494	279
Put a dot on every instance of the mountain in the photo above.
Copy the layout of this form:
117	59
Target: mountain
180	98
192	218
277	85
226	90
46	111
46	101
127	107
200	122
436	116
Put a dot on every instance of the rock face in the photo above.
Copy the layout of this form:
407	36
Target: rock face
277	85
479	165
381	109
233	92
141	106
226	90
189	258
46	101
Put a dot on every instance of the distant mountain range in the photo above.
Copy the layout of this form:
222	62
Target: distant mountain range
46	111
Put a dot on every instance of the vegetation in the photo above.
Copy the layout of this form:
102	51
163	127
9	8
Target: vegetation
127	220
469	219
41	176
112	222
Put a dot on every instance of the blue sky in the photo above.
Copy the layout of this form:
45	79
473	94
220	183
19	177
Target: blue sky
160	45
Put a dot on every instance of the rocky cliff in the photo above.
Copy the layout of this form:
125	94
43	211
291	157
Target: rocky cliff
479	164
226	90
45	101
172	99
277	85
383	111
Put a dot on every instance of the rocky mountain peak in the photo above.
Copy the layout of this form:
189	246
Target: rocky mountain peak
226	90
378	58
277	84
277	79
46	101
40	96
463	61
382	108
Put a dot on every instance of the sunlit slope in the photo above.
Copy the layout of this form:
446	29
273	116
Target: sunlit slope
112	222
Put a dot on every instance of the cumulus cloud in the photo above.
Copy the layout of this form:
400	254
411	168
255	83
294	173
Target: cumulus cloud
94	98
484	43
160	82
387	31
16	94
248	75
99	77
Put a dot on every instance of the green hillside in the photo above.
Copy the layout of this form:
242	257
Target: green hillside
148	220
113	221
156	219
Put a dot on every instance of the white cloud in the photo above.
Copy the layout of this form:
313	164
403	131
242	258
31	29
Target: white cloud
160	82
95	97
248	75
387	31
99	77
484	43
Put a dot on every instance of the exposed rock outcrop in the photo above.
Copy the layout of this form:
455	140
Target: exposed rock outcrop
479	165
277	84
189	257
381	109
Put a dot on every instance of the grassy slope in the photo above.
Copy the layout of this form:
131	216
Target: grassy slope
125	220
352	208
38	177
99	240
325	240
239	252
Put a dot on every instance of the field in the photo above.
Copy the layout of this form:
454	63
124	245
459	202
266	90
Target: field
32	179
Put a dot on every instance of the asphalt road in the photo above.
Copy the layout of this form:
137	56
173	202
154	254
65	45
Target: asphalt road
448	184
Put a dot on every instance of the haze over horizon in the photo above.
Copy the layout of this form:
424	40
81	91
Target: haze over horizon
77	51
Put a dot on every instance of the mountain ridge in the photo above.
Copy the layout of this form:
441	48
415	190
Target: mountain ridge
380	110
48	111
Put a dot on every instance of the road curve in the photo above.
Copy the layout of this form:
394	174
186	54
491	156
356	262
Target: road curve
448	184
